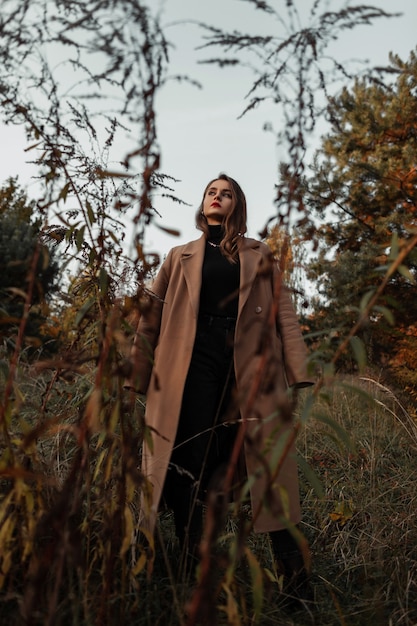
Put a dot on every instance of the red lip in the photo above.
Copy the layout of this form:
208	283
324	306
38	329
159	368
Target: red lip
214	204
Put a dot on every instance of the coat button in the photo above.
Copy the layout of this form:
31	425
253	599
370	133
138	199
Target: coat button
258	309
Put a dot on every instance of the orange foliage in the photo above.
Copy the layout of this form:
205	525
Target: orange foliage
406	353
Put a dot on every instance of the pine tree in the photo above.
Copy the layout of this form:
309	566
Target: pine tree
19	242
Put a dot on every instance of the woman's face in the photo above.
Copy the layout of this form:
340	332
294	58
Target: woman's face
218	202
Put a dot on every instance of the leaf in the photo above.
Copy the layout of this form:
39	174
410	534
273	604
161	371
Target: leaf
140	564
5	566
108	467
285	501
64	192
109	174
114	237
115	416
103	281
257	583
84	310
386	313
365	300
231	608
33	146
343	512
394	250
273	578
99	463
45	257
79	237
69	233
90	213
171	231
404	271
311	476
92	255
92	411
359	352
129	531
147	435
7	531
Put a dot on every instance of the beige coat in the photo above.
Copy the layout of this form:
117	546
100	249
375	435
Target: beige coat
161	357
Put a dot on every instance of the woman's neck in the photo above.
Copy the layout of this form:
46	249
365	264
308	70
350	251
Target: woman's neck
216	232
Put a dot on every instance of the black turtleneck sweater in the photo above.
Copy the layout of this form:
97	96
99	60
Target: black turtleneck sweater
220	279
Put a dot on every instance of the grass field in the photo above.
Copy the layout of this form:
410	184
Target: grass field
65	523
362	531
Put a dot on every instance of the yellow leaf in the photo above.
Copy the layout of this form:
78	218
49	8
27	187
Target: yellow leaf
114	417
6	532
4	567
147	435
257	583
343	512
99	464
140	564
92	411
128	534
231	608
285	501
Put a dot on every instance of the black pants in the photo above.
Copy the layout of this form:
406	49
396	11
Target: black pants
203	443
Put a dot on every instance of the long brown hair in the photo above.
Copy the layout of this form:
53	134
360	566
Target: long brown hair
235	222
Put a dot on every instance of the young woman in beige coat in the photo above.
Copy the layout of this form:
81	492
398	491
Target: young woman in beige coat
219	349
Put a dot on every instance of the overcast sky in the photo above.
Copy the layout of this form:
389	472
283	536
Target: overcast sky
200	134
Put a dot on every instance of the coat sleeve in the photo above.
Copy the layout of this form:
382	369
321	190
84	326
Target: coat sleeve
147	332
293	345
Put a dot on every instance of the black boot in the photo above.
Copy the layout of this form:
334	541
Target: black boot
180	496
290	564
296	586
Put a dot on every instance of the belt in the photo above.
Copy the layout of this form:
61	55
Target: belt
217	321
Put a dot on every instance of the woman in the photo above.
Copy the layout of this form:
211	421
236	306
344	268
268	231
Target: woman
208	358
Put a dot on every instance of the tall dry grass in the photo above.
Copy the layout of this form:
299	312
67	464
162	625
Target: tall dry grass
69	511
363	532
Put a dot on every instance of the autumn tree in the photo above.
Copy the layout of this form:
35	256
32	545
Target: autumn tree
291	255
26	264
363	196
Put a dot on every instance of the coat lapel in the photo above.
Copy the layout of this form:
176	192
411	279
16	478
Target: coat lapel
192	263
250	258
